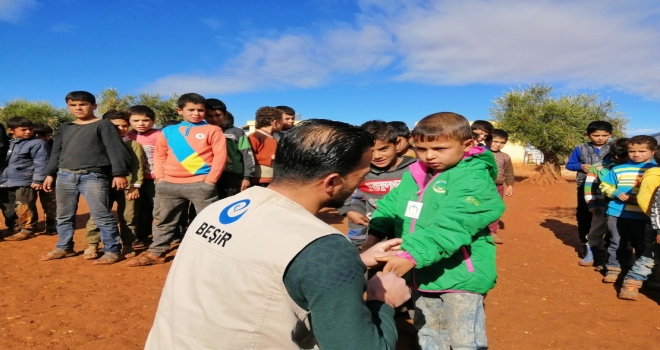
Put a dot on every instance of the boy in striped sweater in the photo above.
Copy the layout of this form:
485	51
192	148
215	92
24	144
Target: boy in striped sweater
188	160
627	221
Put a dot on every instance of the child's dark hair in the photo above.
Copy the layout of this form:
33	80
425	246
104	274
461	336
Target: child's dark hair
266	115
380	130
142	110
215	104
483	126
656	156
42	129
80	96
190	98
287	110
500	133
599	125
443	126
401	129
228	120
649	141
19	122
618	149
116	114
170	123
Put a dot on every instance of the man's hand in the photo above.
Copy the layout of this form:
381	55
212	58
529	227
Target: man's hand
381	249
509	191
48	184
389	288
396	264
119	182
358	218
585	167
623	196
245	184
37	187
132	194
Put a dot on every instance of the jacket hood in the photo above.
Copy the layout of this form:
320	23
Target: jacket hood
405	162
475	159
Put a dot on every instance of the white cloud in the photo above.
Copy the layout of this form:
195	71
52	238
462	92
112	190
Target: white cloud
582	44
63	28
12	11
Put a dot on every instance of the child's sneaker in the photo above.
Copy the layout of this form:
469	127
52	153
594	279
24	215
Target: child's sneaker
612	275
496	238
588	259
629	290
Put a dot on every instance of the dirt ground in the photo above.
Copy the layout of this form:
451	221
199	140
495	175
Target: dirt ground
543	299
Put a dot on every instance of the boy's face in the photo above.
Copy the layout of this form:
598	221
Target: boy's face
122	126
442	154
383	154
22	132
214	117
192	112
497	143
402	145
277	124
287	121
639	153
140	123
81	109
479	135
599	137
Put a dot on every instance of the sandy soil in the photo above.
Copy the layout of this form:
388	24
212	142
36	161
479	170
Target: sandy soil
543	299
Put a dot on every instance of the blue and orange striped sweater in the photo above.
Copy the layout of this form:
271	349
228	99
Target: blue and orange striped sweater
625	178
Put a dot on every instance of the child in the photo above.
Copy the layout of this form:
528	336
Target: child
582	158
402	138
597	202
240	160
385	174
86	153
22	178
127	200
47	199
268	120
288	121
188	161
627	221
649	201
505	175
142	119
481	131
441	210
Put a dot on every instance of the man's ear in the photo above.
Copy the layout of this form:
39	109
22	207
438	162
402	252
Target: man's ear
332	183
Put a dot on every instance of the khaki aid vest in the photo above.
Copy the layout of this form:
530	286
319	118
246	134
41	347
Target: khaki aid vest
225	289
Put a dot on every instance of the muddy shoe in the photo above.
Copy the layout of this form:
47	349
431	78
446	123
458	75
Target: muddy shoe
588	259
612	275
21	236
496	238
629	290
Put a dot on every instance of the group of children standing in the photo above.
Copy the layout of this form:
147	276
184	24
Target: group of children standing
617	210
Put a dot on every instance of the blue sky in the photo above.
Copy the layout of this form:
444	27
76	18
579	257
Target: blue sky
339	59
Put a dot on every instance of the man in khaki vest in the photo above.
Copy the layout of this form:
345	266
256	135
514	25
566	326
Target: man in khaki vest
259	271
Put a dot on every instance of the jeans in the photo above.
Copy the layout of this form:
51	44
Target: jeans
19	206
645	261
127	213
95	188
49	205
172	201
447	321
583	215
625	233
146	210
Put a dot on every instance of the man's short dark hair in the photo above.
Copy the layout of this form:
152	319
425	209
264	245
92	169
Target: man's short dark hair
380	130
215	104
500	133
287	110
80	96
190	97
19	122
599	125
265	116
401	129
317	148
116	114
141	110
649	141
42	129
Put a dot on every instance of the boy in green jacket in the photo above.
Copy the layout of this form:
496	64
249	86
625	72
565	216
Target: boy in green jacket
441	210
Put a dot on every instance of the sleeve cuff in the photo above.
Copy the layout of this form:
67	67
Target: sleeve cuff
407	256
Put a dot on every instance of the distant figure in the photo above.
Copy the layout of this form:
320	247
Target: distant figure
288	121
505	176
